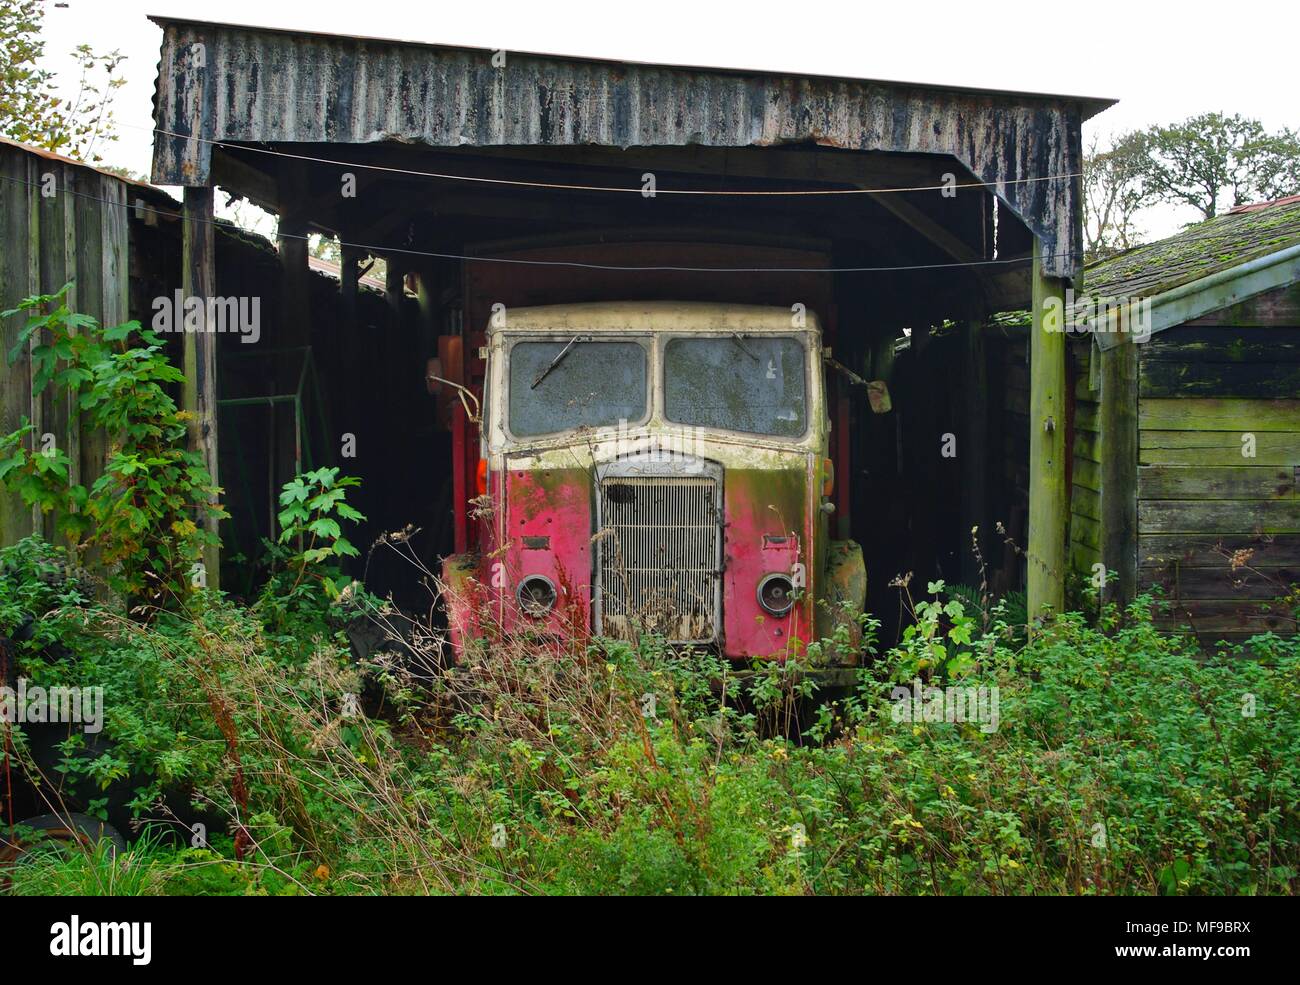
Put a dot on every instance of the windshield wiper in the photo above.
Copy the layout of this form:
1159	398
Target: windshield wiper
740	343
559	358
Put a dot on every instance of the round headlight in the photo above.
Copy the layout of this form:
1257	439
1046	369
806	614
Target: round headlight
776	593
536	596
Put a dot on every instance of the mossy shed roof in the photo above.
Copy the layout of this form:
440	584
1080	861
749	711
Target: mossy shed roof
1240	235
1243	234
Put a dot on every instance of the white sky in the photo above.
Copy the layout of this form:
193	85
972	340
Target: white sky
1163	62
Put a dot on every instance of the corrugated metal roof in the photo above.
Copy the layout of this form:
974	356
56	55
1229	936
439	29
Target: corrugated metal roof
221	82
1092	104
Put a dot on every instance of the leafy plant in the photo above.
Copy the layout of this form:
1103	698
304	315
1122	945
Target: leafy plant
145	514
313	504
939	642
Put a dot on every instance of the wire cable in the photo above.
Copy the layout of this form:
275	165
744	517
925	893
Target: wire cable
406	251
637	189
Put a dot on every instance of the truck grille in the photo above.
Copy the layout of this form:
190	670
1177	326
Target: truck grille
659	557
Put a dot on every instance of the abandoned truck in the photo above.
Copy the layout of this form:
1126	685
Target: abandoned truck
656	467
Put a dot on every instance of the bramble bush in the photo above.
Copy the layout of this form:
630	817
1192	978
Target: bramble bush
1123	762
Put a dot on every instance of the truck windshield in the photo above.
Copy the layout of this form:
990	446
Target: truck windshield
751	383
575	381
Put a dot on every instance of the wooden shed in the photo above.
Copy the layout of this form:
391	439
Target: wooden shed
1184	421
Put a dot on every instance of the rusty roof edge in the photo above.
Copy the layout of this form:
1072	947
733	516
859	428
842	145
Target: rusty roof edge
1089	106
50	155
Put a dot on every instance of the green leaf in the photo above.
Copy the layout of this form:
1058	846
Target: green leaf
119	332
324	527
7	465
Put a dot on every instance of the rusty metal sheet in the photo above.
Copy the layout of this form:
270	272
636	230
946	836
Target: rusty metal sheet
225	82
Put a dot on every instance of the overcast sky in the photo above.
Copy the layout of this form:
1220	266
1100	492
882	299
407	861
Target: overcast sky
1162	61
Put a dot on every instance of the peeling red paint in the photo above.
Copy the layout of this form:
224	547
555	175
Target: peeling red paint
761	507
554	504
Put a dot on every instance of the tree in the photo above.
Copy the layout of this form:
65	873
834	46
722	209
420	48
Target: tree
1113	195
1211	159
27	98
30	109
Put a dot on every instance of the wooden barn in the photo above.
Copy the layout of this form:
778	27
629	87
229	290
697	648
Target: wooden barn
1197	423
1160	441
1184	421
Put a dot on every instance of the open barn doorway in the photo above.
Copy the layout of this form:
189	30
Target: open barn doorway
345	378
900	284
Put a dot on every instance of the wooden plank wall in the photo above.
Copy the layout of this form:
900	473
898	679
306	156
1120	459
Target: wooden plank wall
1219	530
1085	489
78	233
1008	380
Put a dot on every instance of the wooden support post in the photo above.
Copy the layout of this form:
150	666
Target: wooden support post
1118	424
348	277
295	320
198	280
294	328
1049	505
394	289
427	293
19	278
348	411
972	450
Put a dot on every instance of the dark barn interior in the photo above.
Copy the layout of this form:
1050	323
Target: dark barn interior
903	228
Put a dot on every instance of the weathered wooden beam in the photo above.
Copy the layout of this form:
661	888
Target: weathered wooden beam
18	279
58	249
1205	448
1218	482
345	412
199	397
1118	426
1216	550
395	286
295	313
1209	516
972	451
1212	414
348	277
294	328
935	232
770	163
1049	505
242	178
427	294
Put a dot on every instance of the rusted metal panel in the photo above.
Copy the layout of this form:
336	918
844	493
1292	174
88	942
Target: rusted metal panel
229	83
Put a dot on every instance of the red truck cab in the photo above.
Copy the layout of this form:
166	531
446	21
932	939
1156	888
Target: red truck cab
656	467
